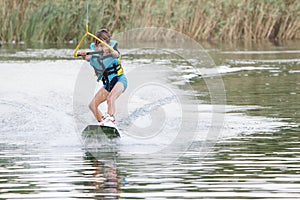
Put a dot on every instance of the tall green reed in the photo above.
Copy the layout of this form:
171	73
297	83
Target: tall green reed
61	20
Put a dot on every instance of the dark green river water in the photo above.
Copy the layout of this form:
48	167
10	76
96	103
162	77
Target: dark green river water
170	146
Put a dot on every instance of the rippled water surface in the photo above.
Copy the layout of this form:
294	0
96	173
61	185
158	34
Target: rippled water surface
254	155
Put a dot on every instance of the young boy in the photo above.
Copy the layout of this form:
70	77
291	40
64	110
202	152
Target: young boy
108	68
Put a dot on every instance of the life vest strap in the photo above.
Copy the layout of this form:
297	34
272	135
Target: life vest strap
115	69
118	69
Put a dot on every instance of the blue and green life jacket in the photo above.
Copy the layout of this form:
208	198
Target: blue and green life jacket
106	66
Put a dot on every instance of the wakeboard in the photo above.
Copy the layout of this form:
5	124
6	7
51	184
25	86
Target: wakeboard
97	130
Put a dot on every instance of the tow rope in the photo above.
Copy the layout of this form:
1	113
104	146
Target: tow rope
87	33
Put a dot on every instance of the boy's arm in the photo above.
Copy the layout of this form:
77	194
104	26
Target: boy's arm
116	52
84	55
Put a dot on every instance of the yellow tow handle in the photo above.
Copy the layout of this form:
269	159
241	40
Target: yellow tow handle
87	33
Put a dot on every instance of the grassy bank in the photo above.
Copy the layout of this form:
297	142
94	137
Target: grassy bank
64	20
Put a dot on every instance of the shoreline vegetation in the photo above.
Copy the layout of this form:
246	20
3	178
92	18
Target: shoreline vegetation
62	21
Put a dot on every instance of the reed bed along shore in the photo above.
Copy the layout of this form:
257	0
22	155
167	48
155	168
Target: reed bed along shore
64	20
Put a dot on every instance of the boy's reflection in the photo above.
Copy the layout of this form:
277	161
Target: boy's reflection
105	178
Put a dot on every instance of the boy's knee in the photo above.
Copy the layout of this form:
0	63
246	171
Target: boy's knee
92	106
110	99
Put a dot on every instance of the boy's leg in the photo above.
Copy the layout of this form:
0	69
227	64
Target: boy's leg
100	97
112	96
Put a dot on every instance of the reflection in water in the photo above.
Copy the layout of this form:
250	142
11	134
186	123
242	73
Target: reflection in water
258	156
105	176
43	174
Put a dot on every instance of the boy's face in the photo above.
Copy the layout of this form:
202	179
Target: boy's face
101	47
